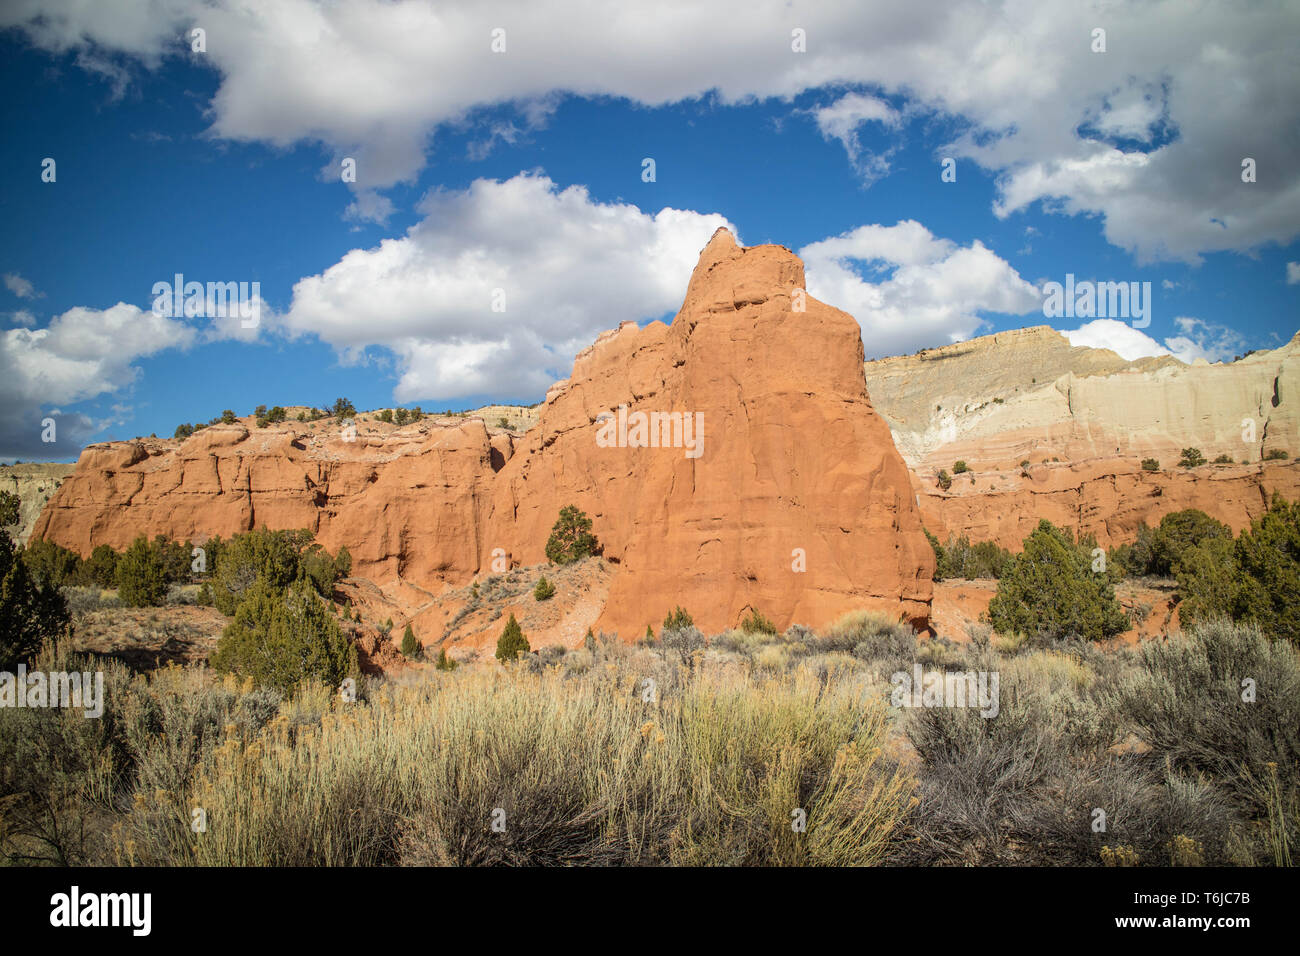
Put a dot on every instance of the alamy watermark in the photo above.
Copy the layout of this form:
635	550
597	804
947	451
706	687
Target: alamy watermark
1098	300
77	690
652	430
920	688
216	300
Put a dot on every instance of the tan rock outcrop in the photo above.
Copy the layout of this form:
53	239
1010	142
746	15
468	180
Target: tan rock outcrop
34	484
1028	394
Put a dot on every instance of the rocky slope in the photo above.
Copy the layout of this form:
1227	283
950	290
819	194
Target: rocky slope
788	496
34	485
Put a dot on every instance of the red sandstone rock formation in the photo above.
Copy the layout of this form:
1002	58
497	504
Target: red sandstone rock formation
793	457
787	495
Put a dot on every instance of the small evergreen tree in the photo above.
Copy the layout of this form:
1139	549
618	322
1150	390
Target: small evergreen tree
512	642
101	567
571	538
756	623
678	620
1051	589
545	590
280	637
444	663
410	646
1268	563
29	612
1150	464
1191	458
141	581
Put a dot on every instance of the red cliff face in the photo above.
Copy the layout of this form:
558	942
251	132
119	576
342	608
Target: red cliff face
760	476
794	501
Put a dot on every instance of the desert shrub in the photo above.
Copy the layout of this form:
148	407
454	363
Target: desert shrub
960	468
678	619
401	416
869	636
1020	787
228	417
444	663
141	581
944	479
961	559
343	562
60	773
1050	589
343	408
571	538
545	590
85	600
681	640
281	637
756	623
1223	460
512	642
385	416
1150	464
1187	703
740	641
711	776
410	646
1191	458
183	431
1275	454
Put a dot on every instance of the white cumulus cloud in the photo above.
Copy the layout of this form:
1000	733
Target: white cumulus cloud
1199	340
1149	135
81	354
564	266
921	289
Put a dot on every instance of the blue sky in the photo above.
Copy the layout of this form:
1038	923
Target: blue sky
522	171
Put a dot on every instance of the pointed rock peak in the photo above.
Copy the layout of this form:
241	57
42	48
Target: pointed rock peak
721	246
